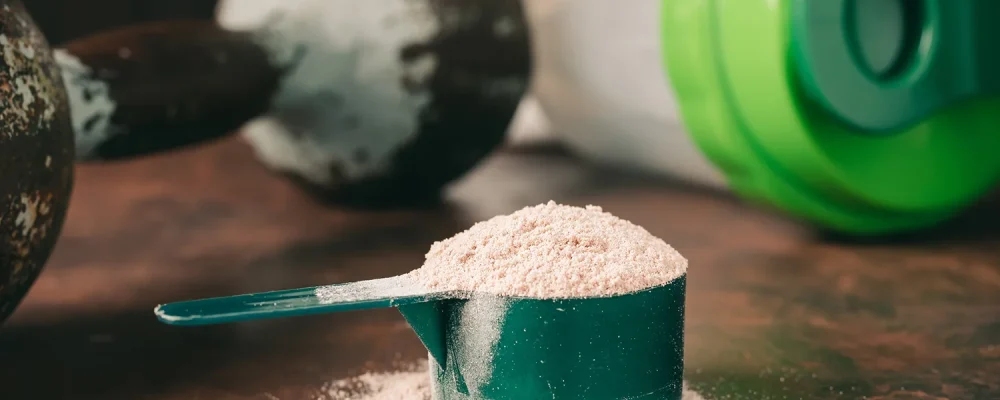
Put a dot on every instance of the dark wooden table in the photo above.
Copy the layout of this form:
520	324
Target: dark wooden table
776	311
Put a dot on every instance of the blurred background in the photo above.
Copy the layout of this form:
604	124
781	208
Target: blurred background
63	20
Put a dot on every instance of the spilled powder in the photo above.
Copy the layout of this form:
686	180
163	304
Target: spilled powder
551	251
411	383
384	288
478	329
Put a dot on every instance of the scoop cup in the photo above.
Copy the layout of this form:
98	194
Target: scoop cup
485	346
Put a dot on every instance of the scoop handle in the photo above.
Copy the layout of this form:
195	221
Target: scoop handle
376	293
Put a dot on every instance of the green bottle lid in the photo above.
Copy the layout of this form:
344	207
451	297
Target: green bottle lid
741	99
885	65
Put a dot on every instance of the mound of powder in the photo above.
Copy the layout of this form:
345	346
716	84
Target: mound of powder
551	251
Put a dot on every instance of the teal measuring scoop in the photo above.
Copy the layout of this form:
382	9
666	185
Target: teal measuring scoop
484	346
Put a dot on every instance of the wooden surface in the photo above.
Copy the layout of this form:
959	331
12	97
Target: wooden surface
775	311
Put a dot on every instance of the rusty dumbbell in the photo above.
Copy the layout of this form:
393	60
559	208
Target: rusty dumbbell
366	103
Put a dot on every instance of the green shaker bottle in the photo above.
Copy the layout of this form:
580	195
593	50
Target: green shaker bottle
865	116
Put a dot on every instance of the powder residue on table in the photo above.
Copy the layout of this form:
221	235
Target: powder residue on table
411	383
551	251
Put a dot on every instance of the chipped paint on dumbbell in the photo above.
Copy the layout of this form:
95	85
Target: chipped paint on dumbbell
343	102
36	174
362	96
162	85
91	105
30	96
136	77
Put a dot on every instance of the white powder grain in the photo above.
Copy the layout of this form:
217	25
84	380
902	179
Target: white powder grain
479	325
409	383
551	251
375	289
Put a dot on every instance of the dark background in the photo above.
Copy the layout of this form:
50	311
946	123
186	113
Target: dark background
63	20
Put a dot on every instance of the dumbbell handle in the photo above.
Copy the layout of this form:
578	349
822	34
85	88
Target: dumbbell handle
158	86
